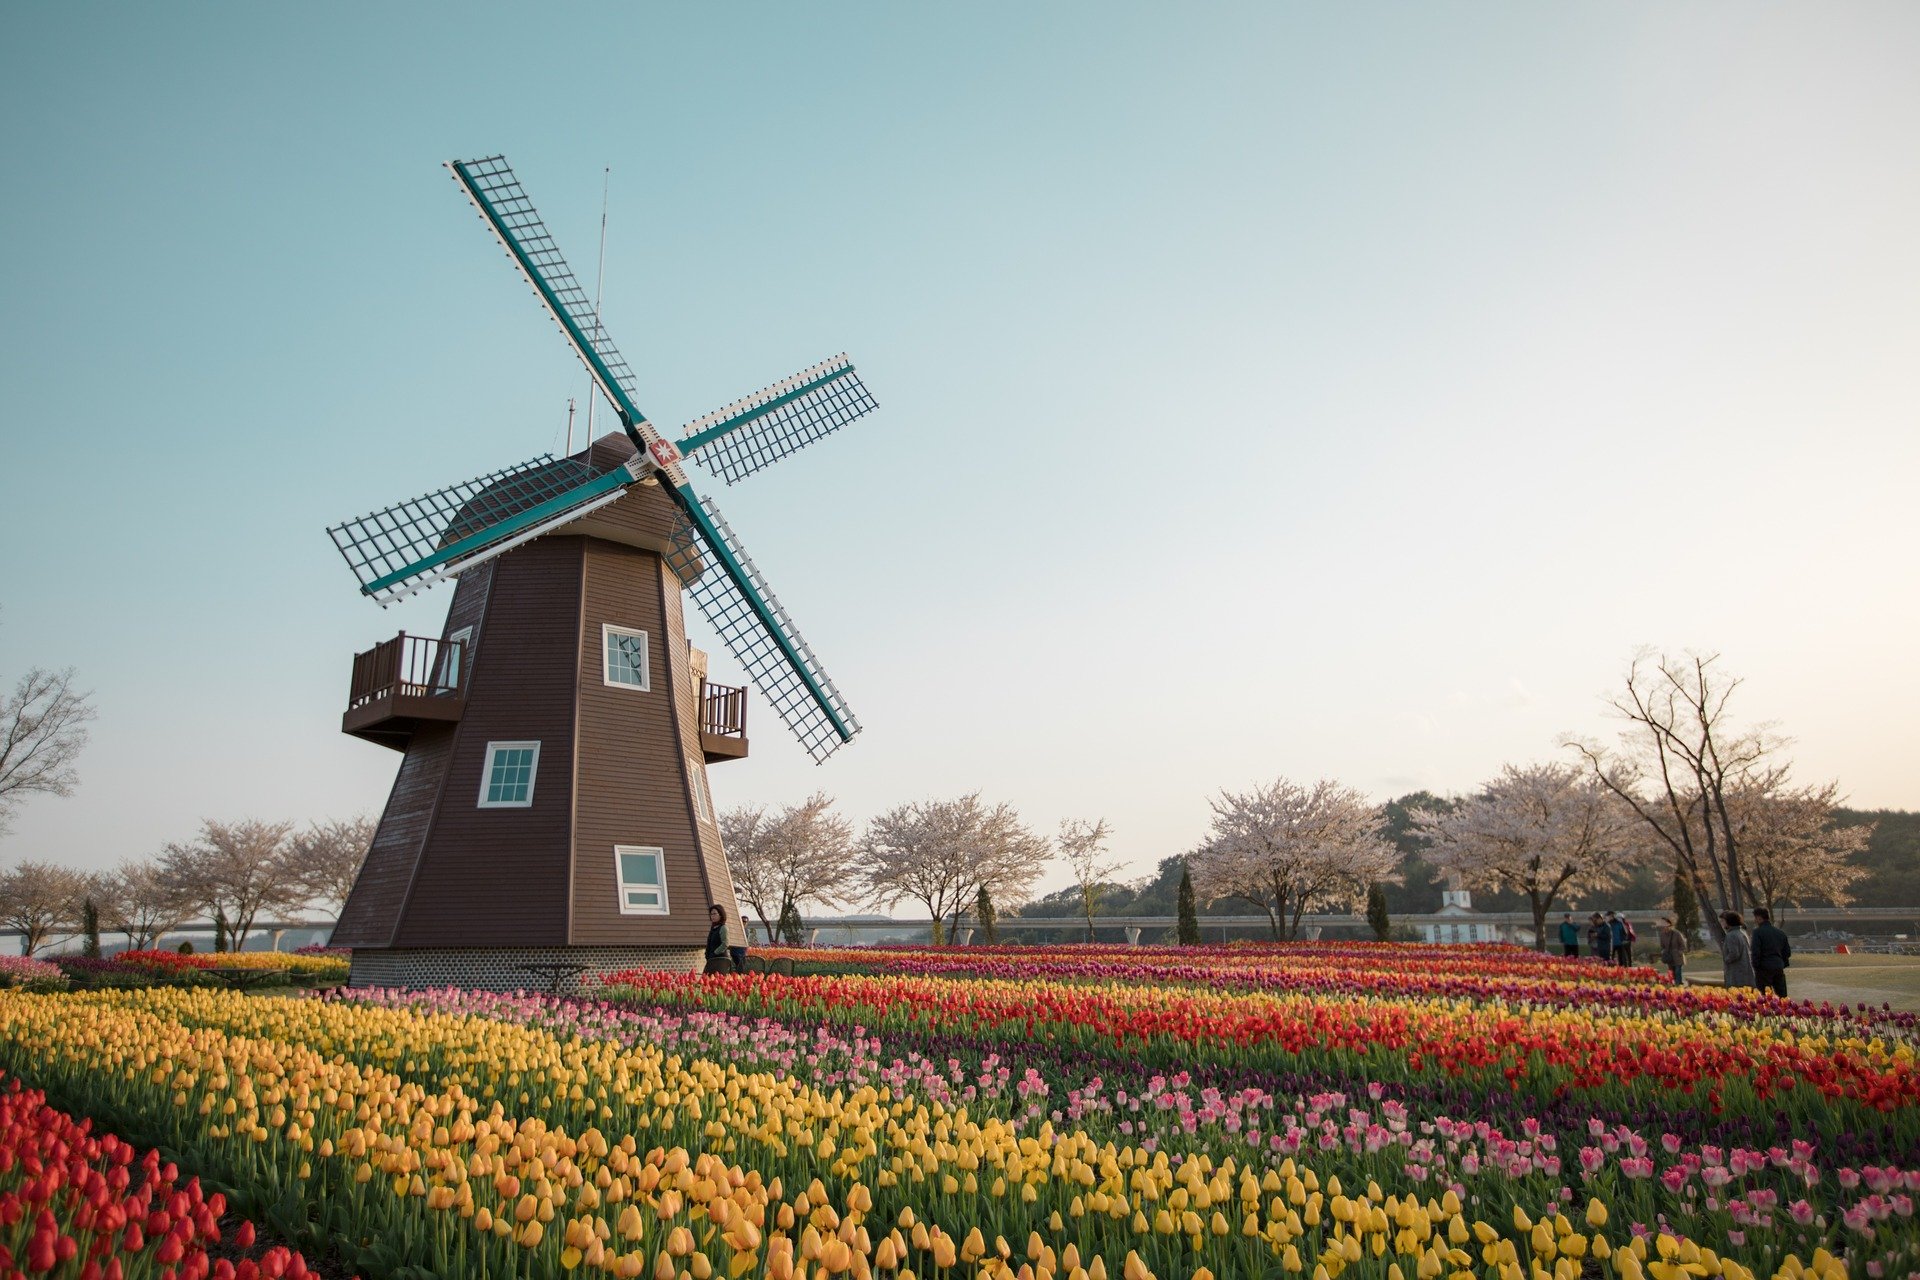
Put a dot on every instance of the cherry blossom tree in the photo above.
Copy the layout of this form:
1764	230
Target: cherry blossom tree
1283	847
941	853
43	726
237	870
329	856
41	899
1792	851
1547	831
802	853
1083	846
137	899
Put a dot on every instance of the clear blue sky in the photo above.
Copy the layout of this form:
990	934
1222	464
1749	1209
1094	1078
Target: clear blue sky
1273	389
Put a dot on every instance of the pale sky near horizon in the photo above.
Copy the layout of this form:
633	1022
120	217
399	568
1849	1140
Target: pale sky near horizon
1298	390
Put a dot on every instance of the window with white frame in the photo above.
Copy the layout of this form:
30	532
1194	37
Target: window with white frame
641	872
626	656
453	657
702	802
506	778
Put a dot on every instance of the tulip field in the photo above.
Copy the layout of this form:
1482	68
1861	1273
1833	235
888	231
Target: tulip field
1316	1110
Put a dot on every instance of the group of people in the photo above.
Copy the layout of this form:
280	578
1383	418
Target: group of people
1759	960
1756	960
1609	937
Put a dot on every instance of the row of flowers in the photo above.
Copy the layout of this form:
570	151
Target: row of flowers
78	1205
321	966
1817	1074
1475	972
480	1145
1389	1135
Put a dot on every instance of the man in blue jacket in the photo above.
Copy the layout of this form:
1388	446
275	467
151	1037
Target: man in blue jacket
1771	952
1569	935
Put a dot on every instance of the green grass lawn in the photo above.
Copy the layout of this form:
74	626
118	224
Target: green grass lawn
1849	979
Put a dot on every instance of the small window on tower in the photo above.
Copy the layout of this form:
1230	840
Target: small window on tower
643	881
506	779
626	656
702	802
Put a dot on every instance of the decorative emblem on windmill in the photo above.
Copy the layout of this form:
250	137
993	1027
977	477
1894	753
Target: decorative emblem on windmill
551	814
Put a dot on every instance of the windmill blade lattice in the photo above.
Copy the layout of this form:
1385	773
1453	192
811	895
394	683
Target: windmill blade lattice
491	185
410	546
757	431
800	692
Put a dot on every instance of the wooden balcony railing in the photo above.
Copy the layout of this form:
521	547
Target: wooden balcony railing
407	667
723	711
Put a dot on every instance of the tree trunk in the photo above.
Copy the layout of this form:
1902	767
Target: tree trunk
1540	906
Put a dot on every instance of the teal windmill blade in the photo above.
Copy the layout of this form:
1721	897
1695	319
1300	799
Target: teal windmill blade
775	422
740	439
758	631
408	547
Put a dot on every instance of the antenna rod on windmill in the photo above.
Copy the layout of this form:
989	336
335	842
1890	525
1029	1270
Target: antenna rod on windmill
569	452
599	278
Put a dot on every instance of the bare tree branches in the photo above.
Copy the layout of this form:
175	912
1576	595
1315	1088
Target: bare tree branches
328	856
238	868
1707	791
1543	830
803	853
1083	845
41	899
941	853
43	726
1283	846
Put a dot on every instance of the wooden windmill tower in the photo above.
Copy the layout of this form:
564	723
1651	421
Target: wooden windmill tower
552	808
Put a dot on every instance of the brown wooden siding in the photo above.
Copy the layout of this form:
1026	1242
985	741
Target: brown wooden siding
689	676
632	784
498	877
372	911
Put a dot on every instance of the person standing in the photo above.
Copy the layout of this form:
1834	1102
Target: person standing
1771	952
1673	950
1623	939
1600	938
718	961
1736	953
1569	935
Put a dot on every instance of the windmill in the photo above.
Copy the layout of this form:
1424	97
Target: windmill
551	813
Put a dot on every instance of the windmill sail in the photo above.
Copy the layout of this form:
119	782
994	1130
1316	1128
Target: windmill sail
495	191
409	547
758	632
758	430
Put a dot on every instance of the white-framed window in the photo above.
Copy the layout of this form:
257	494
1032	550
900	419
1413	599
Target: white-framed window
506	778
625	653
702	802
453	660
642	874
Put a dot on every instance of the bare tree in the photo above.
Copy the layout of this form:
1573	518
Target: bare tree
43	725
137	900
239	869
1791	852
1679	763
1543	830
329	856
42	899
1083	845
941	853
803	853
1282	847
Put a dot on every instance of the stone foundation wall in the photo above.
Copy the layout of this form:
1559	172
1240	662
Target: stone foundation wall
501	968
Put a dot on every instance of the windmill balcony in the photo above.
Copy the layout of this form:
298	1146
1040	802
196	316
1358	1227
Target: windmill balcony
723	722
401	683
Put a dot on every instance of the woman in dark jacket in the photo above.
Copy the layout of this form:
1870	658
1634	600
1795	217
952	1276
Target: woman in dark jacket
1600	938
1673	949
718	961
